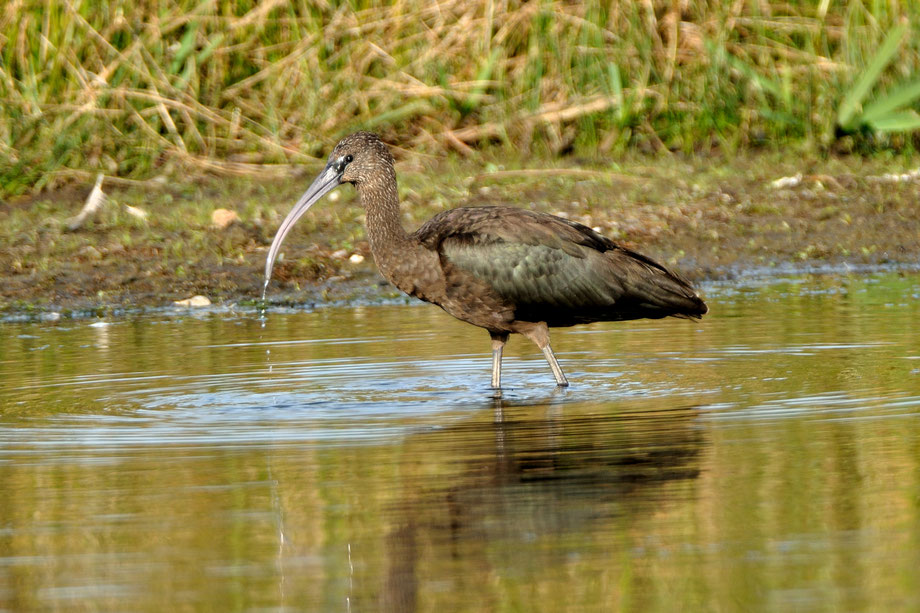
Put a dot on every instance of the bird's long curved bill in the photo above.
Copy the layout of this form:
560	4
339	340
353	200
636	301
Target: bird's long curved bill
327	180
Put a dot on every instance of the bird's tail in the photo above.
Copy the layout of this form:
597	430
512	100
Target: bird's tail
658	291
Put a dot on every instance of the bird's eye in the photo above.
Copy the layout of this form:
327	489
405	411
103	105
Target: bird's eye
348	159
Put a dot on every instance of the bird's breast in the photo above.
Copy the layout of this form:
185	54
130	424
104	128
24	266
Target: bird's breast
414	271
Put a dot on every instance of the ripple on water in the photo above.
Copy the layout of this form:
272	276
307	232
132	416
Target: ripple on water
399	368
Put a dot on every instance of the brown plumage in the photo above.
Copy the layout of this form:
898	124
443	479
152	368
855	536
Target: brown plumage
504	269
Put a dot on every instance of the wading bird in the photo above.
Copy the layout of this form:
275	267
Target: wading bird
504	269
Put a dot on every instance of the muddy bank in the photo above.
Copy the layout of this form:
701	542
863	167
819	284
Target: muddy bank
707	218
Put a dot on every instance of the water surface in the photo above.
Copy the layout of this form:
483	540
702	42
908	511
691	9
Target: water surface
353	459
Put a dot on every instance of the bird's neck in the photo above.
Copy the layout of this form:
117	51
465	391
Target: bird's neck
381	206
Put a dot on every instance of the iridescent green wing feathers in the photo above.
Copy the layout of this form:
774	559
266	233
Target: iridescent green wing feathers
555	270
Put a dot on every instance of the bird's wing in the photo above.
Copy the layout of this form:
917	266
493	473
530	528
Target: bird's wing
550	267
491	224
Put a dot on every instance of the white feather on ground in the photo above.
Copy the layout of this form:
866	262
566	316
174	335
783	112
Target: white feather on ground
94	202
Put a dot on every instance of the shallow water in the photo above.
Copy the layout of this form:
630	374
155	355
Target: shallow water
353	459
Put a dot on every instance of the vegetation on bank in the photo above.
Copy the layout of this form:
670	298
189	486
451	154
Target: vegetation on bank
181	88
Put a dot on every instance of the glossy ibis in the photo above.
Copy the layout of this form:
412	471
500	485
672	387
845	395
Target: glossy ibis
500	268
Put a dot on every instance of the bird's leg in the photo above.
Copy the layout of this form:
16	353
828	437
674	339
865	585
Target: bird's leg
557	370
539	334
498	342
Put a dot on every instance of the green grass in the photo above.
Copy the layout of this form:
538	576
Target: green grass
179	88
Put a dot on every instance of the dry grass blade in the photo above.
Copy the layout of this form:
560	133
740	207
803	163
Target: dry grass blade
240	169
583	173
83	175
575	110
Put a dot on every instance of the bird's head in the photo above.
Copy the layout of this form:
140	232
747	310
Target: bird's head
358	159
362	156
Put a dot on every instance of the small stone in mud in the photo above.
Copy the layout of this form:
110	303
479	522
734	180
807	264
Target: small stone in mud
194	301
786	182
90	253
221	218
135	212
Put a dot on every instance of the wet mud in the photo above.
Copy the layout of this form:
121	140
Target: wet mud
706	220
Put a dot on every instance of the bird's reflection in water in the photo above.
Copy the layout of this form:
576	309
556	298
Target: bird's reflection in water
534	474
